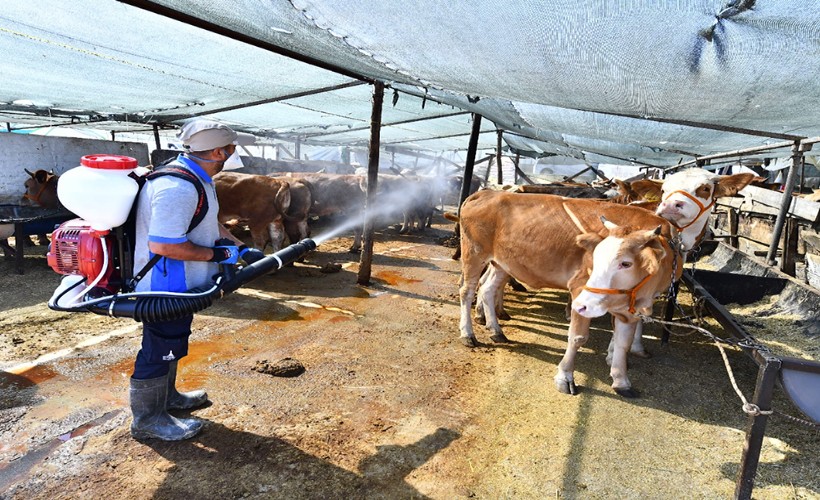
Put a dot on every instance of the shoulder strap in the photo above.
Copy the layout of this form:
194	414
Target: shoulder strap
182	173
199	213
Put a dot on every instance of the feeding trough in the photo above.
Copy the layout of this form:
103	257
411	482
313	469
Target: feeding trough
726	279
30	220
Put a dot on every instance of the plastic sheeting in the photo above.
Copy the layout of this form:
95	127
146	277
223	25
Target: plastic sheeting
596	81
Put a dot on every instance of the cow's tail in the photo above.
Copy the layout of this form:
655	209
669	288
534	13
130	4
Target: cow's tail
453	217
282	201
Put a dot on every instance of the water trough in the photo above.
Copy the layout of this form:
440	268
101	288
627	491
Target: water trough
727	276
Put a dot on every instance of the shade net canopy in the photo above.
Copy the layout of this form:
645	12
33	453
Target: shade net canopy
638	82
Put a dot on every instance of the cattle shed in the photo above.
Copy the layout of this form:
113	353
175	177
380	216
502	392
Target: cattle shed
494	92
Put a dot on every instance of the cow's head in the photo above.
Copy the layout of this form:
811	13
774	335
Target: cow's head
41	188
689	195
618	267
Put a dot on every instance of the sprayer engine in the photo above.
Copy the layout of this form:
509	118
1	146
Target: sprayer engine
77	249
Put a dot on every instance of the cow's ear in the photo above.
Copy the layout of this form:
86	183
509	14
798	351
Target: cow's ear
588	241
625	188
41	176
607	224
651	256
731	184
647	189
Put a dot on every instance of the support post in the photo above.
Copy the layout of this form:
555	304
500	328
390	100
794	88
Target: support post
498	156
297	148
734	224
372	179
472	147
156	137
766	378
797	158
487	172
790	242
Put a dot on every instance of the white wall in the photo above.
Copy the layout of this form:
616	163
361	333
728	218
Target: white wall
19	151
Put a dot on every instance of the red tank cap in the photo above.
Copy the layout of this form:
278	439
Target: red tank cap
109	162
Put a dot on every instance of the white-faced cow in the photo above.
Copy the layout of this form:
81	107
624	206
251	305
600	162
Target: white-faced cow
260	201
41	190
621	274
687	200
532	238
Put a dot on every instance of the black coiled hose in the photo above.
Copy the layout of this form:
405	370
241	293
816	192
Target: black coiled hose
155	309
166	307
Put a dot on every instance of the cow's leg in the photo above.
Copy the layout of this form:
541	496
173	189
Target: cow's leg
499	299
260	235
470	273
479	304
406	223
576	337
8	251
487	295
490	274
622	336
635	349
277	235
356	247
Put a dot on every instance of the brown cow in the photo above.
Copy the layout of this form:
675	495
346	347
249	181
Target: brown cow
689	214
531	238
301	202
338	194
621	274
258	200
410	197
41	189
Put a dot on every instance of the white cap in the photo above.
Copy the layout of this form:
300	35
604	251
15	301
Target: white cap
205	135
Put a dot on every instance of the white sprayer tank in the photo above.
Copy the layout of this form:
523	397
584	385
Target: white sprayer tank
100	190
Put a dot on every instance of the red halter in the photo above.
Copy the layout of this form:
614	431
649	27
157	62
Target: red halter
619	291
36	197
697	202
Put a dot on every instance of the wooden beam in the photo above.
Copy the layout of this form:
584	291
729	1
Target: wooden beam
765	201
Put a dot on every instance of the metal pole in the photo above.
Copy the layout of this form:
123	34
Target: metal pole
472	147
766	378
797	157
372	179
156	136
498	156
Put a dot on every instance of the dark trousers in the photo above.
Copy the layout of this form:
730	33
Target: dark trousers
162	343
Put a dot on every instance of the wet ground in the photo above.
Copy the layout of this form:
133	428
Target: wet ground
391	405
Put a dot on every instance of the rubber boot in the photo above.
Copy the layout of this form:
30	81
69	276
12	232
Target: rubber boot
182	400
151	418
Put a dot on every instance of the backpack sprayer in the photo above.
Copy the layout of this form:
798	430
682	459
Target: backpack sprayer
95	251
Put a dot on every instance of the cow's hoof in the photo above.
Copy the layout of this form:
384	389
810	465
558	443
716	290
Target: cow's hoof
469	341
642	354
628	393
503	315
566	387
499	338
